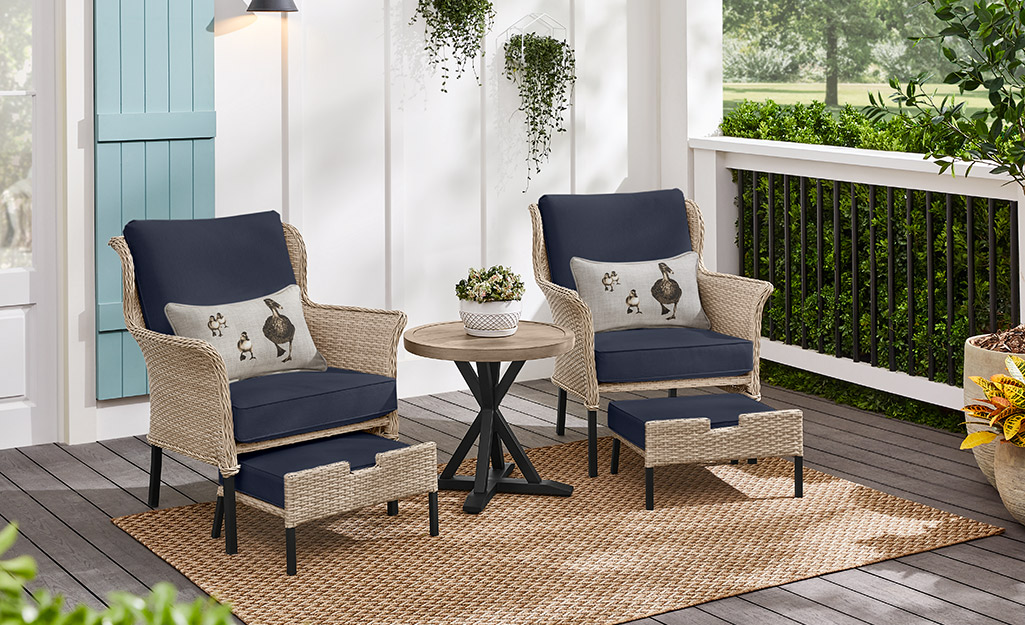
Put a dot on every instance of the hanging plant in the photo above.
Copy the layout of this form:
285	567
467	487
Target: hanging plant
454	31
544	70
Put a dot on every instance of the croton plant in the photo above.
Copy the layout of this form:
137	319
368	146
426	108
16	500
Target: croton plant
1003	408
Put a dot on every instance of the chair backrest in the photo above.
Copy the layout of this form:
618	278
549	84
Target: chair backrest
615	227
210	261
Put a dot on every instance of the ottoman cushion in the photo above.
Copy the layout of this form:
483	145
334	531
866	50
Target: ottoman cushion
262	473
628	418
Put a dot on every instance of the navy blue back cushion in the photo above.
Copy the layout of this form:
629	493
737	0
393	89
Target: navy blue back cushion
206	261
615	227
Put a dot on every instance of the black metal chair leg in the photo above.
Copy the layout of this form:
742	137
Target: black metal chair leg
218	518
798	476
614	467
156	456
672	392
230	527
592	443
290	550
432	511
649	488
393	508
560	418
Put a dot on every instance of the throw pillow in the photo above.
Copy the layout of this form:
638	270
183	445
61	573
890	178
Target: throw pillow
641	294
256	336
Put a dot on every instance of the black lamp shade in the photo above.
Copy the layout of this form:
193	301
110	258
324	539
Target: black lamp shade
272	5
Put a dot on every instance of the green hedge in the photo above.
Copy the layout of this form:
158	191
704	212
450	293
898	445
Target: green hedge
814	124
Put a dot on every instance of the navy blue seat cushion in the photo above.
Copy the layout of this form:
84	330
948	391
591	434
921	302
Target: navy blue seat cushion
206	261
615	227
262	473
297	402
649	354
627	417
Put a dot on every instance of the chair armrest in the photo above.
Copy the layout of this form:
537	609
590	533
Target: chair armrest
575	369
361	339
734	304
190	403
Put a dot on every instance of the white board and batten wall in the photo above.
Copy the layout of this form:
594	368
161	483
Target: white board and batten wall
333	116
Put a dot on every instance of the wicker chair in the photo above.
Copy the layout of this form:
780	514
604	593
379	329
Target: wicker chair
732	303
190	395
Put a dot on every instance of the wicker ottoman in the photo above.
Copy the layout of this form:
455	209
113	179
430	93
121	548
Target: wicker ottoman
320	478
705	429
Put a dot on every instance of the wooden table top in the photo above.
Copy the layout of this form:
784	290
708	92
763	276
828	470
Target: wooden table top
449	341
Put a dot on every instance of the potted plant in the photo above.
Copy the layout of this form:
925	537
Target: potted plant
1003	414
982	41
454	31
490	301
985	356
544	70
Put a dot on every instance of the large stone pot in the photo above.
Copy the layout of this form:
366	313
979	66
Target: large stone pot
984	363
1010	478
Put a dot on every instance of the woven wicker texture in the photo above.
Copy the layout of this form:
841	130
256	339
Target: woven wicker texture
596	557
757	435
733	305
190	401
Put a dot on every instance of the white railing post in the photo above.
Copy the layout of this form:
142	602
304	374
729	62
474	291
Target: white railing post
1021	254
715	192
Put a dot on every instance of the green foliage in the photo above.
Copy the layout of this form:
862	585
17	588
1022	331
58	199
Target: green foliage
893	406
497	284
41	608
824	40
455	30
812	124
989	57
544	70
815	124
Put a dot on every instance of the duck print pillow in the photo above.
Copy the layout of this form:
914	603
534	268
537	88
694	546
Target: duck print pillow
255	337
641	294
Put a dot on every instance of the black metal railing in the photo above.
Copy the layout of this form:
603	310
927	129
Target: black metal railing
959	257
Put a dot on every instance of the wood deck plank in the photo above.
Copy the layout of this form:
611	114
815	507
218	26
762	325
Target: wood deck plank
76	555
174	474
981	582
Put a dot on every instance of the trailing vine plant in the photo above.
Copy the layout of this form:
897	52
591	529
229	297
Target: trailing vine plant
455	30
544	70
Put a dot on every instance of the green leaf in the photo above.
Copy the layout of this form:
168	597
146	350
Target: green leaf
7	537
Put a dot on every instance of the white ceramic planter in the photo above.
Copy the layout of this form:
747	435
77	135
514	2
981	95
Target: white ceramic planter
983	363
490	319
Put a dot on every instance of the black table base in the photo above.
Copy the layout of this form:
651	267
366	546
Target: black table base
491	431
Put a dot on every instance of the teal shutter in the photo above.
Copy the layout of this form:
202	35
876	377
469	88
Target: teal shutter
155	126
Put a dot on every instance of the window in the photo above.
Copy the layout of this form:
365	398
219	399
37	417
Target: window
16	112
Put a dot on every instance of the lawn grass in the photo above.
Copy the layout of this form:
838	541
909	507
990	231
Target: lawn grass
855	94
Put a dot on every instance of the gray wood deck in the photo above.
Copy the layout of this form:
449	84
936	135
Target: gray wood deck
63	497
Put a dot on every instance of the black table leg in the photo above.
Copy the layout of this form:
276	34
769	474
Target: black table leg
492	431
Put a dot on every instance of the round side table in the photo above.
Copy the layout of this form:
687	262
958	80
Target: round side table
449	341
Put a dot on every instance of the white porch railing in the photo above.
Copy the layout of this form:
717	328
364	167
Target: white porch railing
715	191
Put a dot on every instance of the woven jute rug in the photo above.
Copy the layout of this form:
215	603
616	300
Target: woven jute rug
596	557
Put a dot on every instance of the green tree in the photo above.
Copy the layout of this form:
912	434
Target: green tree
989	55
840	32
